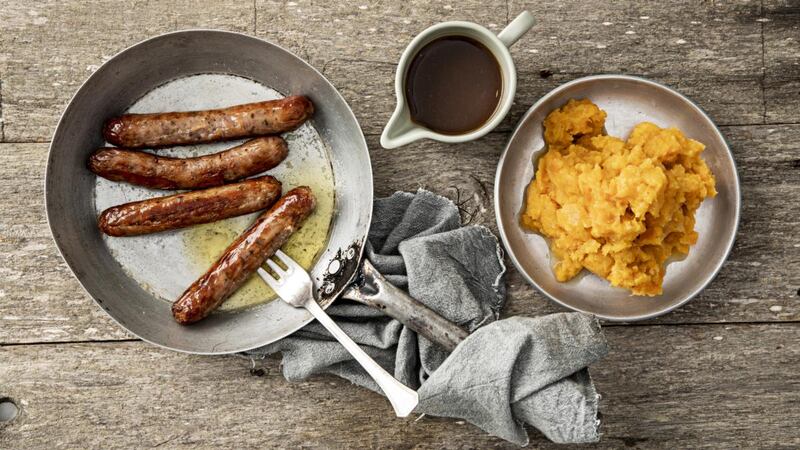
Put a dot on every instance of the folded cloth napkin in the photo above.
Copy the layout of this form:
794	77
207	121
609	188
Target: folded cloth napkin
506	374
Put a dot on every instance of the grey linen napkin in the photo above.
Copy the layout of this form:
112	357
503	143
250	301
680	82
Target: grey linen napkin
506	374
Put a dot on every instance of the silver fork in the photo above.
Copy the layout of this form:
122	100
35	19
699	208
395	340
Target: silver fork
295	287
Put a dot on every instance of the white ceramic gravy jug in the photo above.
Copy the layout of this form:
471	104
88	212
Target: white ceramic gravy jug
402	130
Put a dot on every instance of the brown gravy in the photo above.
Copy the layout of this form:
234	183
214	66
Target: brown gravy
453	85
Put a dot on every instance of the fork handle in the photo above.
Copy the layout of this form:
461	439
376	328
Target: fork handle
402	398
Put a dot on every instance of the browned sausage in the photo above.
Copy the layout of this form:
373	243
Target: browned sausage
190	208
146	169
194	127
241	259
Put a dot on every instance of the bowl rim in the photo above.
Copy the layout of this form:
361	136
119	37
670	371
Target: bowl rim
616	77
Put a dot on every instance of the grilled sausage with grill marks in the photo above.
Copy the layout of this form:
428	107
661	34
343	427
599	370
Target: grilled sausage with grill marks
195	127
190	208
149	170
246	254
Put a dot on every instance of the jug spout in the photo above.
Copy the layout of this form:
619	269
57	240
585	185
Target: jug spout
400	130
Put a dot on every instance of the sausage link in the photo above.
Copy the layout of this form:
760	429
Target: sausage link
145	169
246	254
190	208
195	127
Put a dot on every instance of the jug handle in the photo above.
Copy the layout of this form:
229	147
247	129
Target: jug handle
516	29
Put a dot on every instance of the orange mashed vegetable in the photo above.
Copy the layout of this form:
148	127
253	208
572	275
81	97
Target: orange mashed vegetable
617	208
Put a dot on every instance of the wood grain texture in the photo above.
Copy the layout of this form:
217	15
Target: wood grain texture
366	30
50	47
42	302
722	39
781	30
372	98
662	387
721	372
711	51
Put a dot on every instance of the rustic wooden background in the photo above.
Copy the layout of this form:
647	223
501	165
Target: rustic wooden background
720	372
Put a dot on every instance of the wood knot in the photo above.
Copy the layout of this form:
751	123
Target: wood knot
8	410
473	199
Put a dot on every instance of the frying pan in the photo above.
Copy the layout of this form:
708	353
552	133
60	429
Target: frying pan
70	191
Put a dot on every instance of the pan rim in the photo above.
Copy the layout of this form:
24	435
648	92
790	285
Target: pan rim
98	73
737	197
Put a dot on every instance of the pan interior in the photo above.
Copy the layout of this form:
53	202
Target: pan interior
117	86
167	263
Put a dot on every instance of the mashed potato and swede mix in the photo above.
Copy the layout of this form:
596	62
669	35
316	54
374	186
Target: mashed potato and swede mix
617	208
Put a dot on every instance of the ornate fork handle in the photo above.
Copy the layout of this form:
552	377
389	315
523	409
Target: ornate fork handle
402	398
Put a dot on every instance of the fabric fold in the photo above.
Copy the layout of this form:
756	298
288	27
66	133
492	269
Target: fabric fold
522	370
507	373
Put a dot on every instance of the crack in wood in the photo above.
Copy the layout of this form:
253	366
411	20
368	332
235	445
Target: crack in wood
2	121
467	214
325	65
167	441
70	342
698	324
756	125
727	125
365	61
604	324
762	79
494	132
577	74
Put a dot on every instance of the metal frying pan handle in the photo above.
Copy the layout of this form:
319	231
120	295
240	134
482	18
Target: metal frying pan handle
375	291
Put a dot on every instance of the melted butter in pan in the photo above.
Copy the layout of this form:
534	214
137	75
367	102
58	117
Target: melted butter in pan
165	264
306	165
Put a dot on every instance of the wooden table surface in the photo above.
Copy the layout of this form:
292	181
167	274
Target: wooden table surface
720	372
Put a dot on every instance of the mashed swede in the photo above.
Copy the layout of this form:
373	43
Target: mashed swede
617	208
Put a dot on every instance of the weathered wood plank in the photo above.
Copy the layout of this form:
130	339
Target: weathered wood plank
711	52
53	47
706	38
49	48
727	101
2	121
41	302
367	30
662	387
781	24
653	37
781	100
781	28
